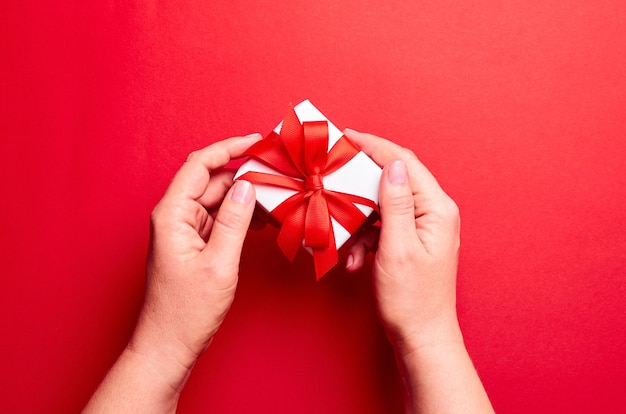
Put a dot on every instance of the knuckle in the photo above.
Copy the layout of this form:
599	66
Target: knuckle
448	211
400	257
451	218
406	257
156	216
451	210
399	204
192	156
231	222
407	154
164	214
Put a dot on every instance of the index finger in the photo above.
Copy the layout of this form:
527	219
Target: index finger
192	178
383	152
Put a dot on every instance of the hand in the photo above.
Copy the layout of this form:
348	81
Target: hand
198	229
414	278
414	272
193	263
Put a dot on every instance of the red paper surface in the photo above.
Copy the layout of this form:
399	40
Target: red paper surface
517	108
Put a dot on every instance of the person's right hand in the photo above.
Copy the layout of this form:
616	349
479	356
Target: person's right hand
414	272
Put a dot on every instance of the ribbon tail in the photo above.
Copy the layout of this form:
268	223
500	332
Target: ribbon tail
292	231
341	207
317	222
325	258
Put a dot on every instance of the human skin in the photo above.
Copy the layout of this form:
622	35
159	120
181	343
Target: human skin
414	278
197	232
198	229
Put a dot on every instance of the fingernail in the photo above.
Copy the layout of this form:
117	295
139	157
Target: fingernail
350	130
349	261
397	173
242	192
253	135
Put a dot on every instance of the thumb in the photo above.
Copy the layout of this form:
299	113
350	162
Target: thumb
397	210
230	228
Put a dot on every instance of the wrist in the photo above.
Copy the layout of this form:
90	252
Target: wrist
168	358
443	331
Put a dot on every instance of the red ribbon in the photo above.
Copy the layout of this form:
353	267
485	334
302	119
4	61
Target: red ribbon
301	154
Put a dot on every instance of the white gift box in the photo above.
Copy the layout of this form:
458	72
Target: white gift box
359	176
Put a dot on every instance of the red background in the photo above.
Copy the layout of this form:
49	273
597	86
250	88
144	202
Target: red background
517	108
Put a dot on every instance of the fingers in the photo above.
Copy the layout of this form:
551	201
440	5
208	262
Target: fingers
379	149
365	242
256	224
220	153
230	227
397	216
219	184
192	178
383	152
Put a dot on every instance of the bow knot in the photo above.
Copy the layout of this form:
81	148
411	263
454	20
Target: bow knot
313	183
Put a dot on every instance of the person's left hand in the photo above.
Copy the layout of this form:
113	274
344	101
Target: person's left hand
193	262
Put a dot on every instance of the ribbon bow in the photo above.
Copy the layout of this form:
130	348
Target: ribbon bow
300	153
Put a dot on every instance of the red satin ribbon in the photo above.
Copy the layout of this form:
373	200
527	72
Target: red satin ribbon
301	154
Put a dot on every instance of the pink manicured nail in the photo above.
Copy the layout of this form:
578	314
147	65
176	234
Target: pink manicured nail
242	192
253	135
349	261
397	173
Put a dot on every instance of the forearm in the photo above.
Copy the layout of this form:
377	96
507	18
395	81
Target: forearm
442	379
147	377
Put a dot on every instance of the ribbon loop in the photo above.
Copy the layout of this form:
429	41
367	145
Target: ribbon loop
315	146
